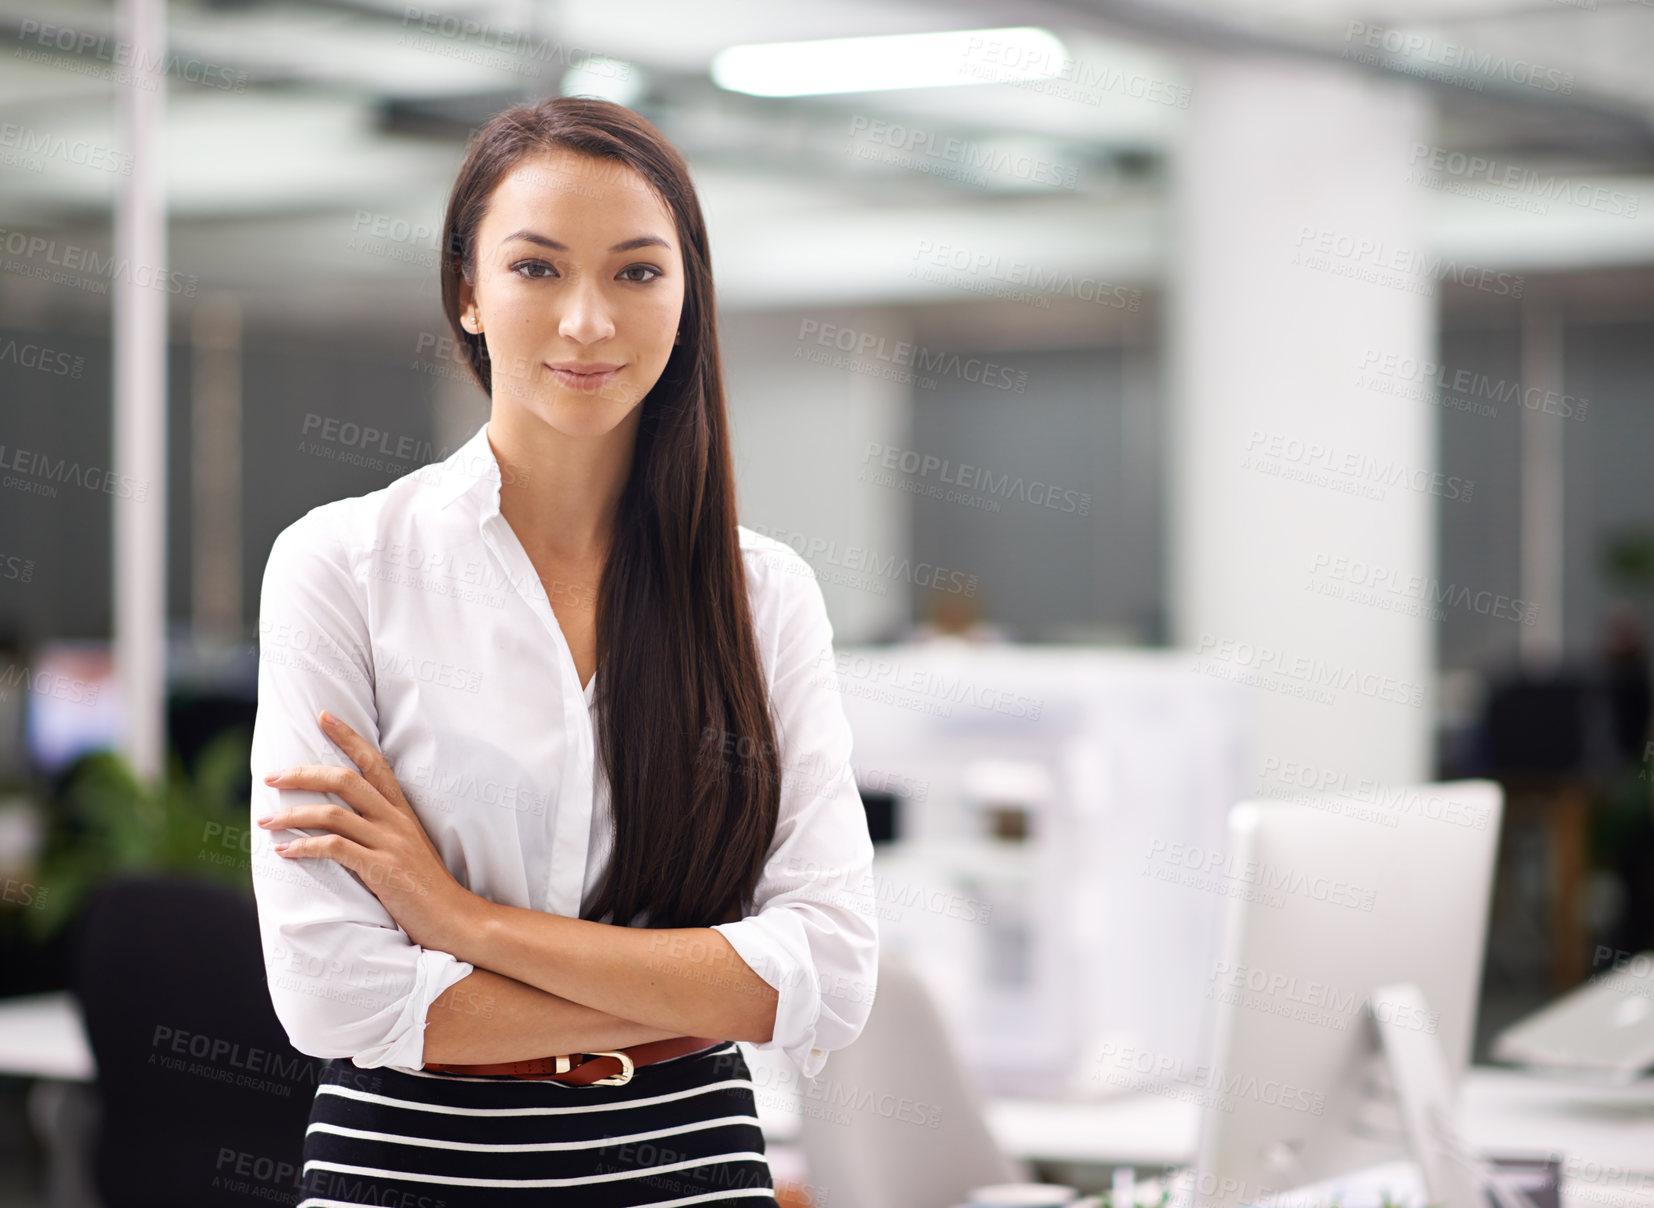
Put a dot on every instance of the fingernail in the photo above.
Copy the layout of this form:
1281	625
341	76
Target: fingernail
328	719
273	777
283	846
265	821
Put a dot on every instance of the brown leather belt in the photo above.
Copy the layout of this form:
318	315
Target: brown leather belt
603	1068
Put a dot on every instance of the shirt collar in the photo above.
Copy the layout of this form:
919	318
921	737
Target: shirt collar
470	470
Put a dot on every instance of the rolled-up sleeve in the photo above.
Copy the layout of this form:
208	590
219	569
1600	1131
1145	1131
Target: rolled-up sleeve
344	979
814	936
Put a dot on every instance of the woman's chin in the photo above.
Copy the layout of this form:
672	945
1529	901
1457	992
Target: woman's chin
575	416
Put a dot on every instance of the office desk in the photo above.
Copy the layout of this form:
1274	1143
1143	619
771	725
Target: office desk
1600	1129
1499	1109
1604	1134
1132	1130
1607	1126
42	1036
1403	1183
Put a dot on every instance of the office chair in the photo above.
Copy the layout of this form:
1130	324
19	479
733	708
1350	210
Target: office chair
203	1102
893	1121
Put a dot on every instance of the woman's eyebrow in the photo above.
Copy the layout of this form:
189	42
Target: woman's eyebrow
623	246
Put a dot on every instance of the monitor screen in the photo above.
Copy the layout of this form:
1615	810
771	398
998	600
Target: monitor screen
74	703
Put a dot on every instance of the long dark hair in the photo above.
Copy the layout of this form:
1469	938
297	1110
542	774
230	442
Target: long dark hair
684	730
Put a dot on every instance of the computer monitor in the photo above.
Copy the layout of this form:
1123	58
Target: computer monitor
74	703
1334	905
1602	1031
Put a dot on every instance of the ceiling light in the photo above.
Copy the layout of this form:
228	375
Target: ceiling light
966	56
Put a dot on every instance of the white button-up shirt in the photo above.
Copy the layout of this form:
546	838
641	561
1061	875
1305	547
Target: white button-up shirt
414	615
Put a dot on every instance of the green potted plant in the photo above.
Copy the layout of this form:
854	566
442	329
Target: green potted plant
107	822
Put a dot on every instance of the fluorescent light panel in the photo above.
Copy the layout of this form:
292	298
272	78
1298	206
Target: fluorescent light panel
873	64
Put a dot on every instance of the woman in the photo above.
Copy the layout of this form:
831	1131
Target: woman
583	785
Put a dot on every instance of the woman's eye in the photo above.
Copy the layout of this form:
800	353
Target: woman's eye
641	268
518	267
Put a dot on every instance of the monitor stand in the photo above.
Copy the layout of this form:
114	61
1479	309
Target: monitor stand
1453	1175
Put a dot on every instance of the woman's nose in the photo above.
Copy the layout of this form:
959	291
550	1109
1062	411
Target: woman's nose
586	314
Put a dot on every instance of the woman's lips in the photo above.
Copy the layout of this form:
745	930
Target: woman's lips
585	381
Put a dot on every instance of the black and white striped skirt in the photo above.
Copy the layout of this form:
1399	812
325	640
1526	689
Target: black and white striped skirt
682	1131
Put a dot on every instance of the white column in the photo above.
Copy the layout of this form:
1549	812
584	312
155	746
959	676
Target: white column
140	402
1299	257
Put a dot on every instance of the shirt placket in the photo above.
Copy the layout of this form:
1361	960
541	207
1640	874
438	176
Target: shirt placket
571	824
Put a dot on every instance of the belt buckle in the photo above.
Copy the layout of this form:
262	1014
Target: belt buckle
620	1079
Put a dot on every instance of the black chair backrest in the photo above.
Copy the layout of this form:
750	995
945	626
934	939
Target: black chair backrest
1540	724
204	1101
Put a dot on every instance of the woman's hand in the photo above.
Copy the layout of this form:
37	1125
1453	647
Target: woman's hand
382	842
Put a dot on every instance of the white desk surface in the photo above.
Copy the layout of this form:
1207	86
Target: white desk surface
1601	1129
1608	1126
1500	1109
42	1036
1130	1130
1583	1186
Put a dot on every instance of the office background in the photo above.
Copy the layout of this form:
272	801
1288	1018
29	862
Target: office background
1324	328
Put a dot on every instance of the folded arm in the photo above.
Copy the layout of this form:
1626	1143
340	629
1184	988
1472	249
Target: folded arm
486	1017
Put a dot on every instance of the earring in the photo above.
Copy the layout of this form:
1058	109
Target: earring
476	324
678	339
